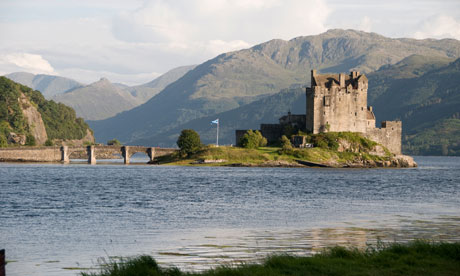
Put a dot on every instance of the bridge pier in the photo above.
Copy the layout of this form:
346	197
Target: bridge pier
151	154
65	155
91	155
125	154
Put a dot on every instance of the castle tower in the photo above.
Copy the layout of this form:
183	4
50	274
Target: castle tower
337	102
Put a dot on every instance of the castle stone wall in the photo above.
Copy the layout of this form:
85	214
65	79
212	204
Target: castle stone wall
389	135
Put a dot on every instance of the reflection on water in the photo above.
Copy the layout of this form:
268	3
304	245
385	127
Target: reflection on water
59	219
234	247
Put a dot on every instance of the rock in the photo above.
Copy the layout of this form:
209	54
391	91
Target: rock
34	120
14	138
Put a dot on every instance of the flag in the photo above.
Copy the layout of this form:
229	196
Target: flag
216	121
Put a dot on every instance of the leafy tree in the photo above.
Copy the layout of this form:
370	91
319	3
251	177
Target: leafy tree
30	140
114	142
189	142
286	146
49	143
252	140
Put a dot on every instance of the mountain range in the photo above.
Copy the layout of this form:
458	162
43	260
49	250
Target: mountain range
231	80
98	100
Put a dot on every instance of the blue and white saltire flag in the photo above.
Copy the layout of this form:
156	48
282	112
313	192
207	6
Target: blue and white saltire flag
216	121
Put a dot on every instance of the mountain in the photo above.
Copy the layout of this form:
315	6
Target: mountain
428	105
250	116
48	85
98	100
237	78
146	91
26	117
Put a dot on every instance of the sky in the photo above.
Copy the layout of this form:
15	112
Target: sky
135	41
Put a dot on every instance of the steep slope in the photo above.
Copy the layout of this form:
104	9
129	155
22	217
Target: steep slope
47	84
237	78
98	100
26	117
146	91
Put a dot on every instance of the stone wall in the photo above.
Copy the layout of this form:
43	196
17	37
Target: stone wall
389	135
31	154
272	132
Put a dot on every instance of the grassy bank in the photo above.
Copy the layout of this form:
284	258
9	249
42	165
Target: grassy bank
264	155
335	149
416	258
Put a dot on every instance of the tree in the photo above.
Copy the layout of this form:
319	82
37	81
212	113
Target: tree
286	144
114	142
252	140
189	142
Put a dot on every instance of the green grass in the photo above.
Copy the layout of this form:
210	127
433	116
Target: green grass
415	258
326	151
235	155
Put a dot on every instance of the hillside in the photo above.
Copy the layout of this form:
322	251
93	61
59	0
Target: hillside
266	110
97	101
146	91
48	85
237	78
428	105
26	117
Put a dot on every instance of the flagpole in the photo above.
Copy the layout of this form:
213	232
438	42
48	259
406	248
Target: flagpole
217	138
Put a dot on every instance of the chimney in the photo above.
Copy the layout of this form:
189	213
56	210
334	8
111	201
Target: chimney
313	75
342	79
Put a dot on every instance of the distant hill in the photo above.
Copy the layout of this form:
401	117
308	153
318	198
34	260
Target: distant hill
234	79
48	85
146	91
27	117
250	116
428	104
99	100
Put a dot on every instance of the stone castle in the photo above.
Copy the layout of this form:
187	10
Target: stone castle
337	102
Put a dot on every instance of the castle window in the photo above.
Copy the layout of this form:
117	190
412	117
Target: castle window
327	100
362	108
356	114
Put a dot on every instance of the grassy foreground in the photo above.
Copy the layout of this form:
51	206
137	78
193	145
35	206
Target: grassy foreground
415	258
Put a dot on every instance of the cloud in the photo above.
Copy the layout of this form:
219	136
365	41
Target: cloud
440	26
159	21
32	63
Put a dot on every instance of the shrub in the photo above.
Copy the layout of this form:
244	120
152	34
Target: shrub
114	142
30	140
189	142
286	146
49	143
252	140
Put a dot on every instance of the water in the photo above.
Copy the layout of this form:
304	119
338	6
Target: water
59	219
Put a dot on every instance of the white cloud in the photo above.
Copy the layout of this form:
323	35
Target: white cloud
205	20
32	63
440	26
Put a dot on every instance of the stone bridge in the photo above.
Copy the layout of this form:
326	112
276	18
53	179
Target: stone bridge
91	153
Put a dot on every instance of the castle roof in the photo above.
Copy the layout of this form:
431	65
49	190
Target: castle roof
329	80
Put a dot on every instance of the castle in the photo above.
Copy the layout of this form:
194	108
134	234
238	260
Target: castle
337	102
